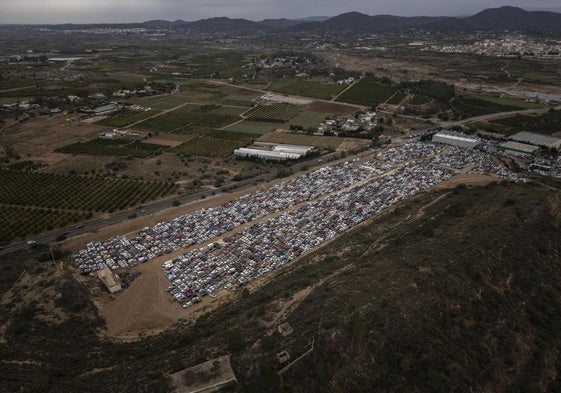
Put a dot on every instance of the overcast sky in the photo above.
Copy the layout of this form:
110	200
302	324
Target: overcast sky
87	11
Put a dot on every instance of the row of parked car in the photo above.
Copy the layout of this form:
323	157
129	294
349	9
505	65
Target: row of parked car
266	246
426	159
263	247
205	224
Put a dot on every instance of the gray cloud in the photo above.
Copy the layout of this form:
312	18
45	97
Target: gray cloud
84	11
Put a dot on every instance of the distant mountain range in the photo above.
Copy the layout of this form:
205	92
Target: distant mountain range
509	18
503	18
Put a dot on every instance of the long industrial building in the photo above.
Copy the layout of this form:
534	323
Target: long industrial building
273	151
536	139
457	139
519	148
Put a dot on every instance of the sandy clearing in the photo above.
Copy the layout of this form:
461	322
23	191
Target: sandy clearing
145	306
352	143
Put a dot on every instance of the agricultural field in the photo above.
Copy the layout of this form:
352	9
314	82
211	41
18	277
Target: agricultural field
191	131
237	101
332	108
324	91
252	127
209	93
470	107
308	119
159	103
126	117
324	142
216	144
169	121
508	101
32	202
396	98
113	147
189	115
10	84
437	90
77	192
230	110
275	113
419	99
19	222
226	64
367	92
548	123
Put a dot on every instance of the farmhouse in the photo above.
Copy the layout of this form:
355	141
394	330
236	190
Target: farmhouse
108	279
457	139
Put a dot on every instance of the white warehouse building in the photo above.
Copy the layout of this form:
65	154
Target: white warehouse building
457	139
273	151
266	154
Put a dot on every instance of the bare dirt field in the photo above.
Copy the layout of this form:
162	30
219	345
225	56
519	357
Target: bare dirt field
78	163
43	135
327	107
145	306
383	66
352	143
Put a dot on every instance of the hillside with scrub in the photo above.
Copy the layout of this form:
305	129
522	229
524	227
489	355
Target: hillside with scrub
456	290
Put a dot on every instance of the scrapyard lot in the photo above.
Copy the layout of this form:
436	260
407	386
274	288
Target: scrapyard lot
283	221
